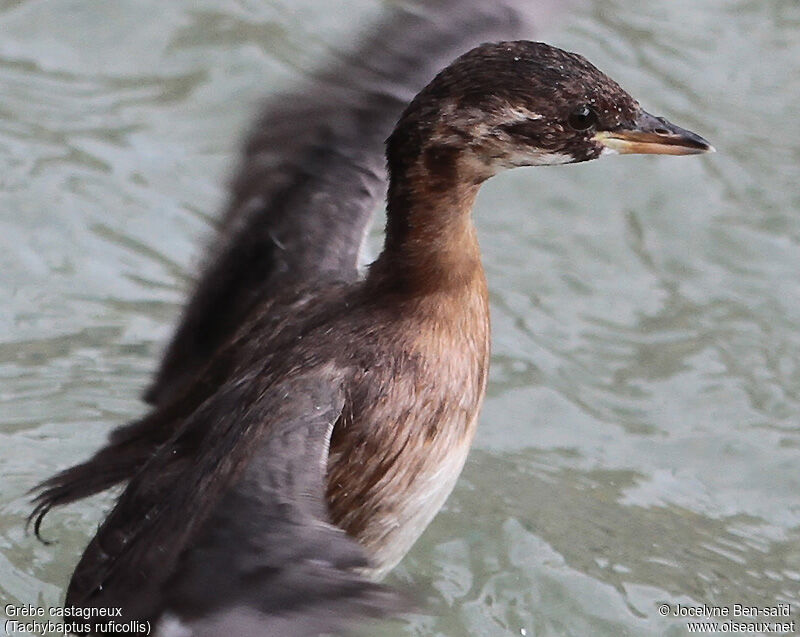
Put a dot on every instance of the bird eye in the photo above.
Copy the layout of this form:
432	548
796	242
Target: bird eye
582	118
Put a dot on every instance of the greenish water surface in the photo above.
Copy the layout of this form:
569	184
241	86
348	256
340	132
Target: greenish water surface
640	442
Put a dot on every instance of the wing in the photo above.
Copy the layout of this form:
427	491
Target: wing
312	171
131	446
226	529
128	449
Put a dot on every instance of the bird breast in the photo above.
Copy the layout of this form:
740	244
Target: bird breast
402	441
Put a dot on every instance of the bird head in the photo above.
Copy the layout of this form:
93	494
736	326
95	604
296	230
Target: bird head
524	103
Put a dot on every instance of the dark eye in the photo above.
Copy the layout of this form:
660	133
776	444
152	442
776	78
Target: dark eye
582	118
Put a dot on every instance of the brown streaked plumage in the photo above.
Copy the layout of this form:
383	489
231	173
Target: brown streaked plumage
390	371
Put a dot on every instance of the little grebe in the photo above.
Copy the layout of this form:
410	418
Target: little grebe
370	387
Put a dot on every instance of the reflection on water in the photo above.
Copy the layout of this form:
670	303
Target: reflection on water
640	441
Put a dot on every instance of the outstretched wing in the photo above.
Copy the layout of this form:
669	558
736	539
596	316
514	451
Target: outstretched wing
226	529
312	171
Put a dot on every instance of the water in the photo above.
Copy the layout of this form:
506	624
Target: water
640	440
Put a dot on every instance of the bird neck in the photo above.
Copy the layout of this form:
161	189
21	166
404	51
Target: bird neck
431	244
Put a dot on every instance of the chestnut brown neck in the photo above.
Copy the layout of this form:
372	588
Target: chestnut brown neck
431	244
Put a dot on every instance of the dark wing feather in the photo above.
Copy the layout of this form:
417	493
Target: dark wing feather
128	449
157	514
130	446
313	171
226	524
268	557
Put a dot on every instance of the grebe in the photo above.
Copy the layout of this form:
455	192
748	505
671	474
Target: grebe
346	409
